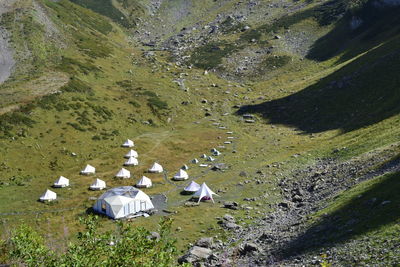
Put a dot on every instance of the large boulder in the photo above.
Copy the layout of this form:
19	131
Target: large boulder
205	242
195	254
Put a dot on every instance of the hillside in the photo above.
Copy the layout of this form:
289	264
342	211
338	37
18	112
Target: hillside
310	90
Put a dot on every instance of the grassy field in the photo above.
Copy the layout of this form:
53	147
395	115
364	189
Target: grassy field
111	92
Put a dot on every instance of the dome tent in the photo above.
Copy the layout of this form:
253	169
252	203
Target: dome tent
121	202
98	185
195	161
61	182
131	153
131	162
181	175
48	196
123	173
192	187
204	192
185	167
145	182
128	143
89	169
156	168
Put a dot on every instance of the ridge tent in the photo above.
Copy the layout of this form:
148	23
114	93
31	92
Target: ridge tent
48	196
123	173
192	187
131	153
89	169
128	143
181	175
209	158
204	192
216	153
121	202
61	182
145	182
156	168
131	162
185	167
98	185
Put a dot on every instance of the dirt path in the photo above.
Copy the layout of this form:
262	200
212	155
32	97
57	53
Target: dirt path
7	61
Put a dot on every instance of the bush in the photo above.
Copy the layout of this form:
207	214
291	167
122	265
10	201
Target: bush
131	246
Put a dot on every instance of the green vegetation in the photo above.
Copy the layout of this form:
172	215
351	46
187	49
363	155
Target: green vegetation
129	246
210	55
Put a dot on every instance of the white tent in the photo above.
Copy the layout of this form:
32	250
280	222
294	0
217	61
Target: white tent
210	158
123	173
89	169
216	153
123	202
213	150
203	156
204	192
185	167
98	185
128	143
181	175
192	187
144	182
156	168
131	153
61	182
195	161
131	162
48	196
229	132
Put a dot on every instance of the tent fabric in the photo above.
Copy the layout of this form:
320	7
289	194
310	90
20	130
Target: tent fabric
89	169
121	202
195	161
48	196
123	173
181	175
192	187
185	167
216	153
128	143
210	158
131	162
131	153
156	168
98	185
204	192
61	182
145	182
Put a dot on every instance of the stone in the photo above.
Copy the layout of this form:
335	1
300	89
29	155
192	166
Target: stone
229	218
205	242
195	254
154	236
247	248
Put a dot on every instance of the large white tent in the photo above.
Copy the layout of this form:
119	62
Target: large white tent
131	153
128	143
204	192
123	173
61	182
192	187
89	169
144	182
48	196
156	168
98	185
121	202
131	162
181	175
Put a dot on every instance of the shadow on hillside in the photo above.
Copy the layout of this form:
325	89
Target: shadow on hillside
361	93
374	208
357	31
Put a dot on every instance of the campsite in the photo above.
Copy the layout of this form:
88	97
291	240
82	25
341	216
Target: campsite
254	133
